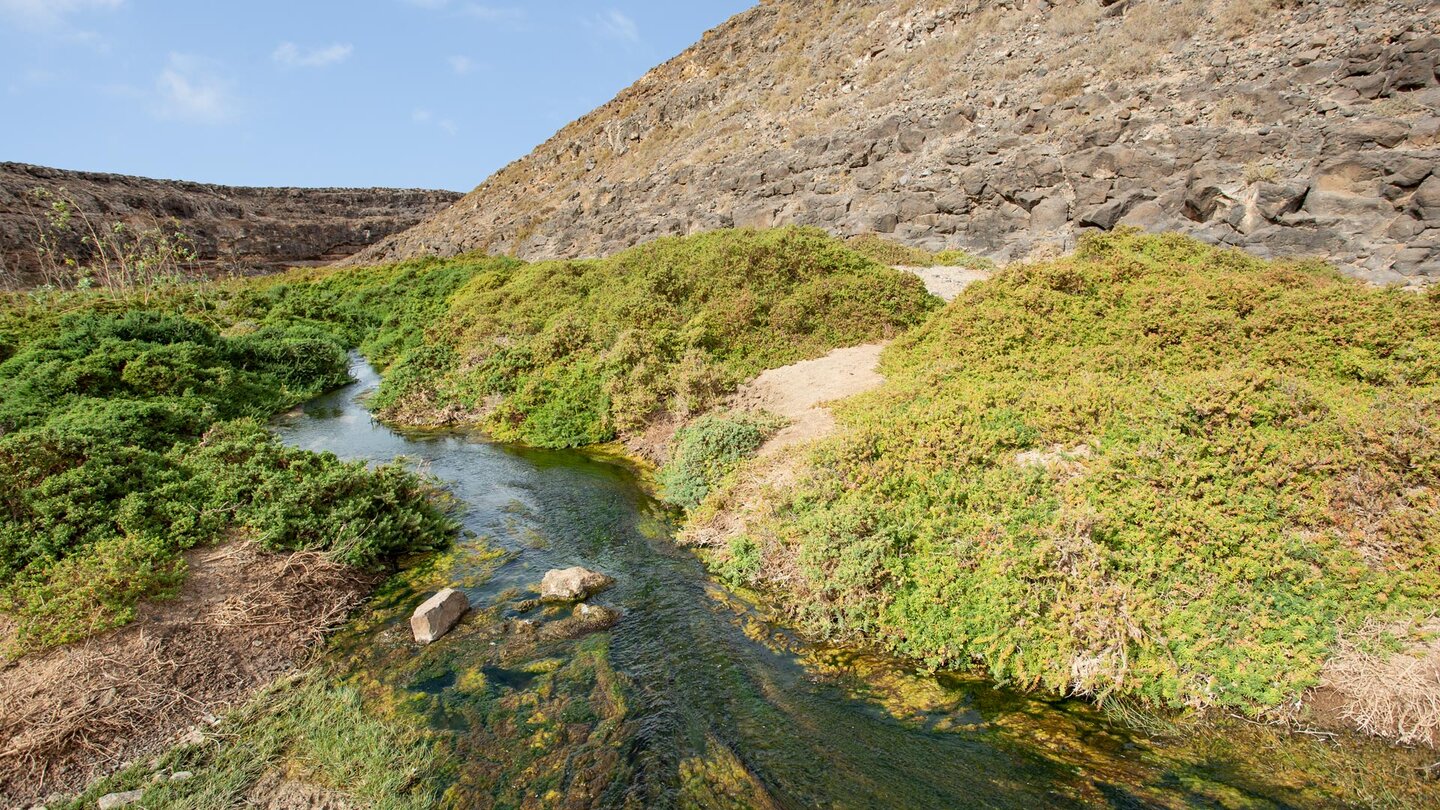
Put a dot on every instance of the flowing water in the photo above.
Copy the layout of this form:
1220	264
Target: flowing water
692	699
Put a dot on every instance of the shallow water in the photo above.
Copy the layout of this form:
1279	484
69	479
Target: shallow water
693	699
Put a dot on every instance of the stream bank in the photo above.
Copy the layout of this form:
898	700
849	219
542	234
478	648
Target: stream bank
693	698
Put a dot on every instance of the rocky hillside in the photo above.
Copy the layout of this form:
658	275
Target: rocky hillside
1283	126
233	229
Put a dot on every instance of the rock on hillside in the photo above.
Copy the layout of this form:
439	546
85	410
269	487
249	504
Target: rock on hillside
1283	126
234	229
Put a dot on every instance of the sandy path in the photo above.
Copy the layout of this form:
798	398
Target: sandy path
946	282
800	391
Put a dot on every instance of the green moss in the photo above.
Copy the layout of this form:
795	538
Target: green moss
1260	462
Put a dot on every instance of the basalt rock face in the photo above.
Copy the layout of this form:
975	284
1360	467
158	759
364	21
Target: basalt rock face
1005	128
233	229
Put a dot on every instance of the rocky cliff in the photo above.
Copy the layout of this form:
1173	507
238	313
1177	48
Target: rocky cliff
1284	126
233	229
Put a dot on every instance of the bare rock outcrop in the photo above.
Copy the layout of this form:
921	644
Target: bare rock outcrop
233	229
1294	127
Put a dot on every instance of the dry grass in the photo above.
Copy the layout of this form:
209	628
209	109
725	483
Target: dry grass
1238	18
1256	172
1394	695
243	616
1073	19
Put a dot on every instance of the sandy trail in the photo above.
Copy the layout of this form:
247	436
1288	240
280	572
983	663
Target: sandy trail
800	391
946	282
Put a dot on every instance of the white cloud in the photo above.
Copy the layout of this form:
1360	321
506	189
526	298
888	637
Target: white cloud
426	118
187	90
616	25
461	64
290	55
51	13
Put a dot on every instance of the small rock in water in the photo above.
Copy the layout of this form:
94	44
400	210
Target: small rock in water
113	800
438	614
583	620
571	584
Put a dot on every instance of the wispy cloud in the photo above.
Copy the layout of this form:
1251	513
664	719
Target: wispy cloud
188	90
427	118
29	79
487	13
461	64
614	24
291	55
50	13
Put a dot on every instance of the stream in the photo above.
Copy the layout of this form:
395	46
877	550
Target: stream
693	699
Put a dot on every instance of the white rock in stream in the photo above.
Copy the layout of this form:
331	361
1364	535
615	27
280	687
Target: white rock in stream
572	584
438	614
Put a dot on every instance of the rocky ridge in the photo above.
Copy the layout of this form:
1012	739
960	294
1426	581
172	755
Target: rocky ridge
234	229
1287	127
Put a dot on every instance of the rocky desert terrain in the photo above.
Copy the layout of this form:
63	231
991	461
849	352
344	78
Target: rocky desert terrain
233	229
1005	128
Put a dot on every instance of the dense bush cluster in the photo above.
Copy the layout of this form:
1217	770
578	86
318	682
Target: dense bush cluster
128	435
1154	468
707	450
569	353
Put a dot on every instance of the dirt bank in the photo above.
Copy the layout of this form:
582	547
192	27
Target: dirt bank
243	617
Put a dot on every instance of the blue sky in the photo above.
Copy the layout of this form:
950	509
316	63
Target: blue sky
427	93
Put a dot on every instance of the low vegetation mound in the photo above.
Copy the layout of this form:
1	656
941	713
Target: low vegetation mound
1153	468
570	353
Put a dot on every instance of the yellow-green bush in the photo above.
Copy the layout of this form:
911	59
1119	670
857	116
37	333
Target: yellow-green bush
1261	467
567	353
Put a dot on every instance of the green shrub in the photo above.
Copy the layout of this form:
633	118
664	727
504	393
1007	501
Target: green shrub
1261	453
894	254
577	352
102	414
707	450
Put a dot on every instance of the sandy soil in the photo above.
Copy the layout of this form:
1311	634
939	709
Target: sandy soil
946	282
243	617
799	392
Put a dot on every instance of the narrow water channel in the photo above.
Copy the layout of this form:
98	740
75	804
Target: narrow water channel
693	700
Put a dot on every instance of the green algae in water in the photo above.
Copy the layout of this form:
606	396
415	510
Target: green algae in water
695	700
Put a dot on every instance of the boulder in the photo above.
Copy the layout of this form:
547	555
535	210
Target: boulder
1050	214
572	584
1425	204
438	614
1107	215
